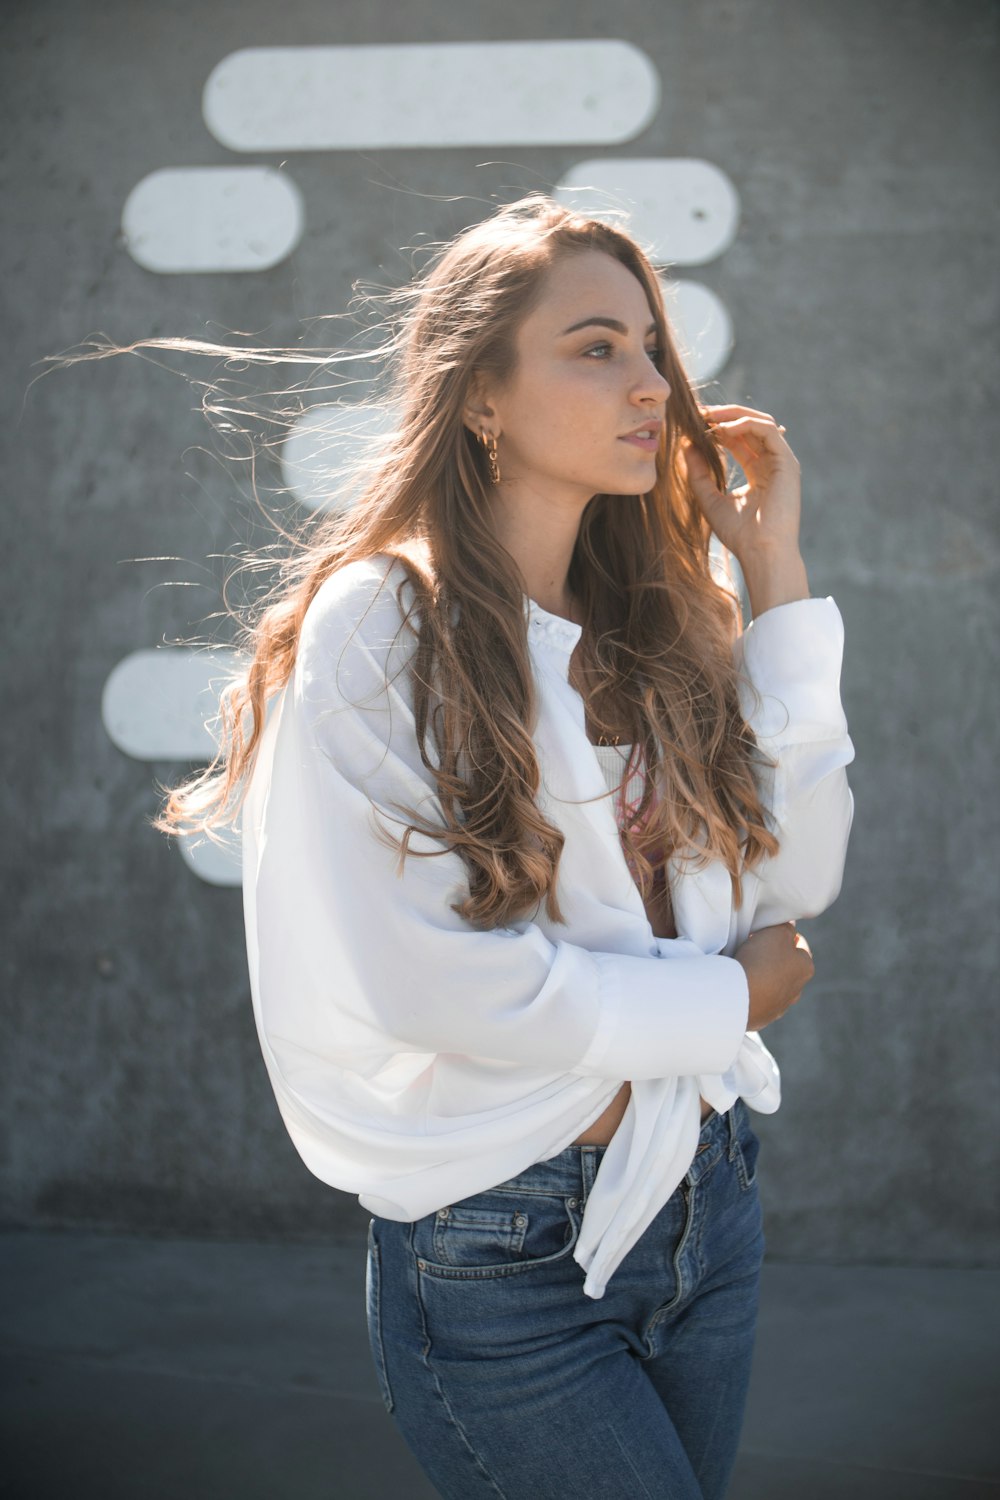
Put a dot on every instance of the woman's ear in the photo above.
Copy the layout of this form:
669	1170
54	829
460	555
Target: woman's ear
478	412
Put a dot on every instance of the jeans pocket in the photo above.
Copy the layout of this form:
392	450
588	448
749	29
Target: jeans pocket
497	1233
747	1151
373	1313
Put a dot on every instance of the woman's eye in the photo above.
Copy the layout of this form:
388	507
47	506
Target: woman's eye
600	349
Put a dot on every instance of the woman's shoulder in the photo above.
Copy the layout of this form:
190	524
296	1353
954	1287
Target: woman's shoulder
366	597
355	639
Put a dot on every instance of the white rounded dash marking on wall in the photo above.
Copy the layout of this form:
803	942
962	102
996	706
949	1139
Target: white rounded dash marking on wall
159	704
683	210
323	455
218	865
194	219
702	327
420	94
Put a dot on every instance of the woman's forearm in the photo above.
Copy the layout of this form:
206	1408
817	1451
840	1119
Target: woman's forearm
774	578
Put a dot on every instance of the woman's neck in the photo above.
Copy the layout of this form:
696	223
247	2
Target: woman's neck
541	541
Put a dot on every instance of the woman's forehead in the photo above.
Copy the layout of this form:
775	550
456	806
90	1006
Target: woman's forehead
585	284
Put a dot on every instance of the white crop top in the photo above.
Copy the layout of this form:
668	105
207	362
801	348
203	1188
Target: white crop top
614	759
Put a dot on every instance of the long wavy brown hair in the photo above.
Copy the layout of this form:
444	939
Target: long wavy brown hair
660	626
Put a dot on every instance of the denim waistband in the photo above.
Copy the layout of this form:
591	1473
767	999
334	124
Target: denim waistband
574	1169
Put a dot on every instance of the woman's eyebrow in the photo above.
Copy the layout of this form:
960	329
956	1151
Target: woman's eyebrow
603	323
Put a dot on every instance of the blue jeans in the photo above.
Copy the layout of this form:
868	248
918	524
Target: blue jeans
506	1381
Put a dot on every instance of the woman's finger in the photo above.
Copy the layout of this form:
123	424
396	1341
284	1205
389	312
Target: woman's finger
769	431
717	413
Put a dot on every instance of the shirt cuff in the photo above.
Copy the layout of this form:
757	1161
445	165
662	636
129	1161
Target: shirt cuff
793	654
687	1015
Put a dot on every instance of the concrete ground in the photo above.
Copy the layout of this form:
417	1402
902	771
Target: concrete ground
203	1370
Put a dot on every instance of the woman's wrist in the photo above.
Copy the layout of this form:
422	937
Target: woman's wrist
773	578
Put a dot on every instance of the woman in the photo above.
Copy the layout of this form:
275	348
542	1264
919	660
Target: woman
523	787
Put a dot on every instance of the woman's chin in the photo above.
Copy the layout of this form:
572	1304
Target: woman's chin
639	483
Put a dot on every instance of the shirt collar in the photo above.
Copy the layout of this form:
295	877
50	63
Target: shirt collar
551	630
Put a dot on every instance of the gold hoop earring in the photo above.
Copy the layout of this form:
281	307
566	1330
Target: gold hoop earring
489	442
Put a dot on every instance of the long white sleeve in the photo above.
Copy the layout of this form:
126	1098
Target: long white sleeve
793	655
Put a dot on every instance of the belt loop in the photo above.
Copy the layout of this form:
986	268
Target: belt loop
588	1162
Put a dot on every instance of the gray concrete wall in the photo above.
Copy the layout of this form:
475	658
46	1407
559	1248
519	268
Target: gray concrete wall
862	289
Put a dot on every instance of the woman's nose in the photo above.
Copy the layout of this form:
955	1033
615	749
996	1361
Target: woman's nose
651	384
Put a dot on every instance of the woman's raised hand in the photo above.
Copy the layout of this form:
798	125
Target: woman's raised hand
761	517
778	963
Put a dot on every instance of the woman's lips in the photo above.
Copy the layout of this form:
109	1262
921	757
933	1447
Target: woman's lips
649	445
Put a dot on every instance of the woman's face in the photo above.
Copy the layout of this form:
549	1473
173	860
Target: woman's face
584	381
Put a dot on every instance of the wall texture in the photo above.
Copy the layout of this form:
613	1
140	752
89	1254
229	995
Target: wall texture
861	286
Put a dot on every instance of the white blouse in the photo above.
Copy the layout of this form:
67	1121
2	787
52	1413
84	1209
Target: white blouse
417	1060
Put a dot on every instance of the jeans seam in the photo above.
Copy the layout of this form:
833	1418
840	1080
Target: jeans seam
746	1180
376	1317
688	1189
627	1458
425	1355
